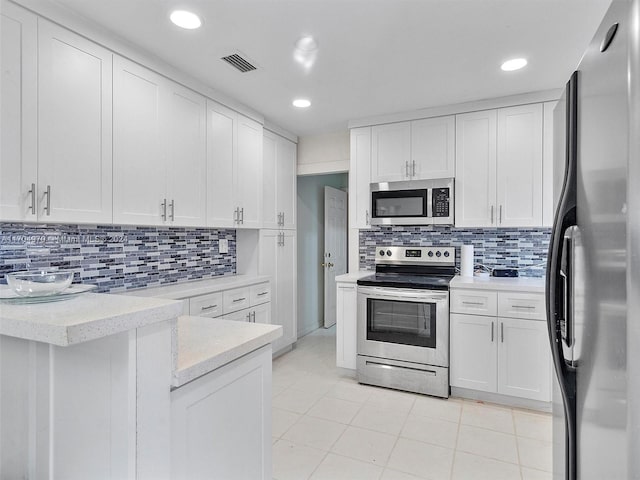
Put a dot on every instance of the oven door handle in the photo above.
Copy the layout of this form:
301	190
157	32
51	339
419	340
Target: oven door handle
383	294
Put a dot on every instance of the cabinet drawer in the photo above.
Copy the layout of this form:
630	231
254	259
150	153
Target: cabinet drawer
236	299
260	293
209	305
474	302
522	305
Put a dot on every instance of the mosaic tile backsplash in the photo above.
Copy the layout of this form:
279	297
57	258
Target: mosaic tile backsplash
523	248
117	258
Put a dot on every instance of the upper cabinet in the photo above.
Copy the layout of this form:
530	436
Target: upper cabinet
417	150
159	149
359	178
279	182
234	169
499	167
19	192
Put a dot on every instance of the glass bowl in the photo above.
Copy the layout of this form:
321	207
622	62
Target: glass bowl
39	283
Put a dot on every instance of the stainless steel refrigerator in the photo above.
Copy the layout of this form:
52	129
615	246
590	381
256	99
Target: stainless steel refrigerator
593	274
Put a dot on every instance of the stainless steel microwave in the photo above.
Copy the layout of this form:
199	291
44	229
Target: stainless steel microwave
423	202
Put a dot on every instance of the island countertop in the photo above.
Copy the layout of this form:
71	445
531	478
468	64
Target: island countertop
205	344
86	317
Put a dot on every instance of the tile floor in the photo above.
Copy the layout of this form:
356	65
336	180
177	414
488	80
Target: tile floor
327	426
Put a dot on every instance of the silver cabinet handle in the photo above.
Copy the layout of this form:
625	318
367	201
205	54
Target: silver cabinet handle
472	303
500	214
501	332
406	169
33	199
173	206
413	172
253	315
491	214
47	207
262	293
248	317
164	210
279	221
239	299
242	215
366	217
491	332
208	307
528	307
283	219
235	215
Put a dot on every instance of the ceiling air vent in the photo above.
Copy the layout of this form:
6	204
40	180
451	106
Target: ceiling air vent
242	64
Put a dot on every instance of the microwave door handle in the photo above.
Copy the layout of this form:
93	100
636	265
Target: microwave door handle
429	203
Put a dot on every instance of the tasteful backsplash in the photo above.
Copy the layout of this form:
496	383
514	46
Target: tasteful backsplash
523	248
118	258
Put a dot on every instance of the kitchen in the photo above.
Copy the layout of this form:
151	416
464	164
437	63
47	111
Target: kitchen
125	163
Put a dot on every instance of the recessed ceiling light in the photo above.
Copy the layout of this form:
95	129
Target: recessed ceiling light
185	19
307	44
514	64
301	103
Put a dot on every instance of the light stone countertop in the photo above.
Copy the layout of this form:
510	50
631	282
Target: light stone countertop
179	291
354	276
205	344
86	317
517	284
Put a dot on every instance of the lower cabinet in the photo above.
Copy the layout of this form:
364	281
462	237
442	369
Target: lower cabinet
277	258
509	356
221	422
256	314
346	324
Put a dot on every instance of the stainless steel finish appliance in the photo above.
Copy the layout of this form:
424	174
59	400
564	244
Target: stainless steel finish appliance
593	274
403	320
420	202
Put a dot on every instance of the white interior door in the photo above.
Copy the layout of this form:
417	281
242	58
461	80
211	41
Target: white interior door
335	248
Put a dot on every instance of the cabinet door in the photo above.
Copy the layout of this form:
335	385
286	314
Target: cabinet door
239	316
286	182
221	153
519	166
187	157
346	322
476	169
74	127
548	194
360	178
391	152
19	114
473	352
248	181
221	422
268	249
262	313
270	212
286	293
524	368
139	153
433	148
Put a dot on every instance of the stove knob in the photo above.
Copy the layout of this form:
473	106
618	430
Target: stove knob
388	253
382	253
446	254
438	254
430	253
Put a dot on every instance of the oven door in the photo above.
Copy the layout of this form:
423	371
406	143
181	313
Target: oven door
410	325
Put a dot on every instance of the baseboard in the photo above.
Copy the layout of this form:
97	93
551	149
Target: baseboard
501	399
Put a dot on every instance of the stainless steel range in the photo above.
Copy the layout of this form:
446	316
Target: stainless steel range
403	320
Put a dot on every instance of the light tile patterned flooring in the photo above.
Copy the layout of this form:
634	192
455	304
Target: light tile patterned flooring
327	426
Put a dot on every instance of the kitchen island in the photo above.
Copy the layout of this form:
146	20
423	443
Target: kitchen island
88	385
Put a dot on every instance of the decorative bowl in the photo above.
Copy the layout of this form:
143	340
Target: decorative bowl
39	283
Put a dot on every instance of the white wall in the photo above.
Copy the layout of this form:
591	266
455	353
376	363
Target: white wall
323	154
310	225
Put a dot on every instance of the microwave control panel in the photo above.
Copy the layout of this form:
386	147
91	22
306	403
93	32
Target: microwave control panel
440	202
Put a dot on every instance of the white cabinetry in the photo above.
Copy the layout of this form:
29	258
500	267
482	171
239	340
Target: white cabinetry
499	354
234	169
277	258
74	127
346	324
18	107
221	422
279	182
159	149
499	167
417	150
360	178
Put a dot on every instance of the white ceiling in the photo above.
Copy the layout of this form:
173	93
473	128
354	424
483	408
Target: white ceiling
375	56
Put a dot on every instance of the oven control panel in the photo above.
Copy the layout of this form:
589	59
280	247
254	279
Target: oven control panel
416	255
